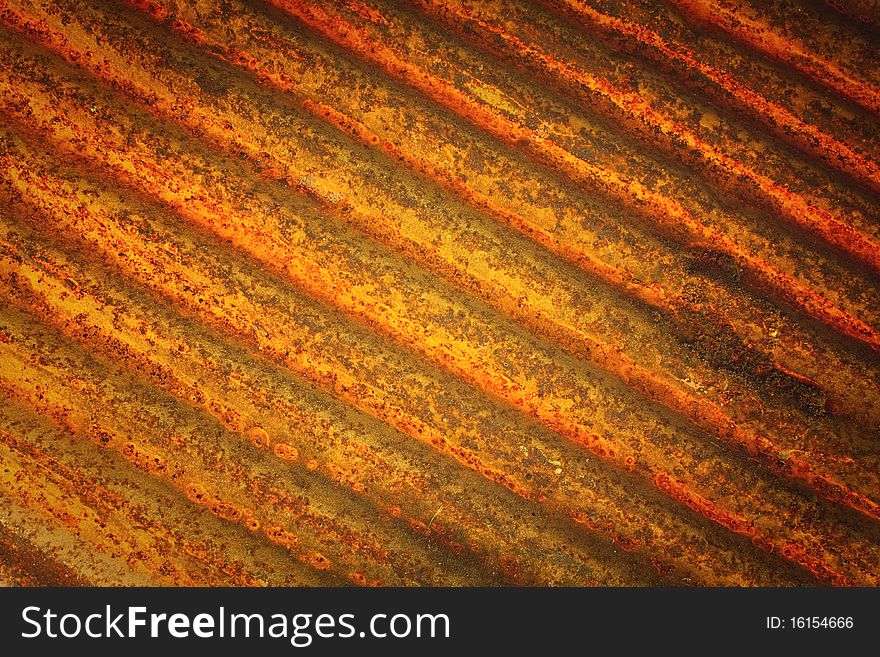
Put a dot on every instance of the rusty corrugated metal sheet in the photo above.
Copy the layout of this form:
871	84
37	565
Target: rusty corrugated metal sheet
439	292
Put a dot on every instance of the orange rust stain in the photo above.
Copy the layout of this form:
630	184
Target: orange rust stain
420	294
671	215
740	20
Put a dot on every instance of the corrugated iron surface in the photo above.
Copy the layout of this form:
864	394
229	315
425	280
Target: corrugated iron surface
436	292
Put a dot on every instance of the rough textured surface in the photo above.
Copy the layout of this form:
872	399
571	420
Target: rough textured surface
439	292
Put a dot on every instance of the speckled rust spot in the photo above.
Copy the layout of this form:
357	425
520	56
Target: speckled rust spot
286	452
259	436
318	560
